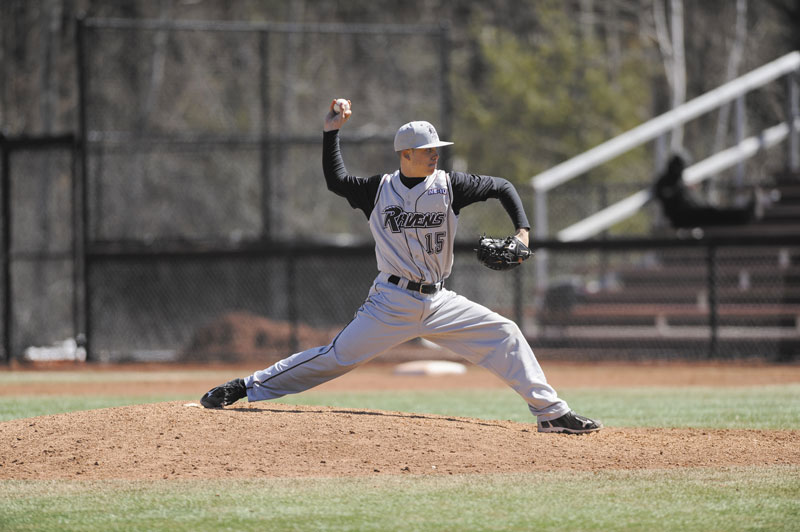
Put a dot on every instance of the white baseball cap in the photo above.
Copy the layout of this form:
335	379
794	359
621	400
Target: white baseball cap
419	134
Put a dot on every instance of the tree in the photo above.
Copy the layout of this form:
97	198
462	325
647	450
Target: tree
670	42
543	95
789	11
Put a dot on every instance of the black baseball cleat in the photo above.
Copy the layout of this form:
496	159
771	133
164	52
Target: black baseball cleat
224	395
570	423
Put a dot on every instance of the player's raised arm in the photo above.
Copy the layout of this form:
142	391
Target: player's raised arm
339	112
359	192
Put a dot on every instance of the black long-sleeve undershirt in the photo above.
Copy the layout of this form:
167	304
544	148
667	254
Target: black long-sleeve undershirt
360	192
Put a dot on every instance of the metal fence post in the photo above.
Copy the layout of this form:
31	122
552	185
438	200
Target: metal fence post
711	286
5	221
739	131
540	233
291	288
793	115
519	304
447	100
266	144
661	154
80	197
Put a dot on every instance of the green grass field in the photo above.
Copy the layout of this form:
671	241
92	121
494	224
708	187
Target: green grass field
762	407
686	500
751	498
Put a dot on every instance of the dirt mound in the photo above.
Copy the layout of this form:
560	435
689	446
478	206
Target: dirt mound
243	337
172	440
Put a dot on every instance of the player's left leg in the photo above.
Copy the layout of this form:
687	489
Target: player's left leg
489	340
494	342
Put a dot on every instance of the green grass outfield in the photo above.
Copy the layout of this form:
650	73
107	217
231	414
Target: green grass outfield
686	500
762	407
742	498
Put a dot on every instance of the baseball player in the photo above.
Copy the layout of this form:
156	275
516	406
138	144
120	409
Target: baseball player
413	214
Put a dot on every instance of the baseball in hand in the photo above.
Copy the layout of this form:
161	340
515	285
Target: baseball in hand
339	105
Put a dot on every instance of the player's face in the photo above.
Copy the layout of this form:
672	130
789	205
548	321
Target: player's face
423	161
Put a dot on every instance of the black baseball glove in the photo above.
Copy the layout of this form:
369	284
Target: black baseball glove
502	254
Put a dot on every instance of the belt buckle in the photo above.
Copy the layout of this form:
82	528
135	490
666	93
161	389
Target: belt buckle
433	287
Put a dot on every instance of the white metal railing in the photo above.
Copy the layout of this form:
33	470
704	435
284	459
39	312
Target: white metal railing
624	209
652	129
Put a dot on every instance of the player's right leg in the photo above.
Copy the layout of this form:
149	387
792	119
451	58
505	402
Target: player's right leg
382	322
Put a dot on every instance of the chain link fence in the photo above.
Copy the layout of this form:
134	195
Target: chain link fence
247	306
200	164
659	299
212	131
38	292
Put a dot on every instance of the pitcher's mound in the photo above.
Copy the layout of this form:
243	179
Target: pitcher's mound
171	440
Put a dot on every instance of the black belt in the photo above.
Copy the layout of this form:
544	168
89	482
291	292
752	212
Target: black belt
417	287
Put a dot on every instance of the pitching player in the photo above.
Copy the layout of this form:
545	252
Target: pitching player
413	215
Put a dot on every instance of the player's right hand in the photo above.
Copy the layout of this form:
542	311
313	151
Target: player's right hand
334	120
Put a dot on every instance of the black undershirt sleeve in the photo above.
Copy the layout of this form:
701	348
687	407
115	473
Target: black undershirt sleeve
470	188
360	192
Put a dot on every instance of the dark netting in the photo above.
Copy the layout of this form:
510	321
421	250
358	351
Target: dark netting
231	308
211	235
186	144
302	205
246	307
171	193
41	265
151	308
209	135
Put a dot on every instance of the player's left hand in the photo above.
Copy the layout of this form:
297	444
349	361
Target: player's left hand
335	120
502	254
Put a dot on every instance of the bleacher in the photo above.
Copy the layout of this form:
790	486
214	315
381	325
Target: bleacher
674	305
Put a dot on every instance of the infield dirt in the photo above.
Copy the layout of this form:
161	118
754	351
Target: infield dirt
254	440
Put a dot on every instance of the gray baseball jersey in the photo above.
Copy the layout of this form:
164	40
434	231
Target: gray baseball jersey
414	223
414	228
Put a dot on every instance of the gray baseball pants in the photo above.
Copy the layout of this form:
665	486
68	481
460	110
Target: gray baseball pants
392	315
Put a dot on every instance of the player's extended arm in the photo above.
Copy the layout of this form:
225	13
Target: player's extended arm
469	188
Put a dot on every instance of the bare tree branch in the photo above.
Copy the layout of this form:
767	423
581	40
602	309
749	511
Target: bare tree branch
663	40
670	42
157	66
678	66
734	62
